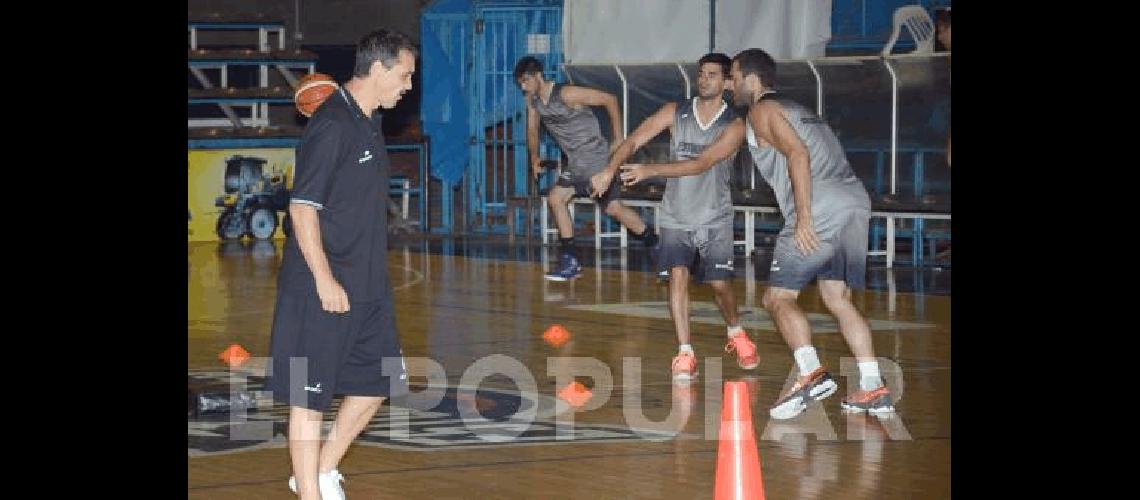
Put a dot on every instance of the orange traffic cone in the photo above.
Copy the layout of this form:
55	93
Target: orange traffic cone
576	394
234	355
738	464
556	335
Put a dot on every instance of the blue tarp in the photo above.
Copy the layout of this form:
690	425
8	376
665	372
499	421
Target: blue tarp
444	106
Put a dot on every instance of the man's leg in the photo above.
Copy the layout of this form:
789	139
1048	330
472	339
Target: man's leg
726	302
746	354
559	199
792	270
314	463
677	253
785	312
355	413
679	303
855	330
306	346
872	395
717	257
568	266
628	217
305	450
848	271
373	369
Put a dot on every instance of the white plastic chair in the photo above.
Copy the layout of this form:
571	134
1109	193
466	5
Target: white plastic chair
920	26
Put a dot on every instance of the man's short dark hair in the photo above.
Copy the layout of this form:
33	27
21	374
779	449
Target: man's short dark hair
528	65
759	63
717	58
380	45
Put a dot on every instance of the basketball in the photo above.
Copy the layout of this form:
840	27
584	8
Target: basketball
312	90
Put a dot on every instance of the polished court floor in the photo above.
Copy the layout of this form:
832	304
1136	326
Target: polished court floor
471	314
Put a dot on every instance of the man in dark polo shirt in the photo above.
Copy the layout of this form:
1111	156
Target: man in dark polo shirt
334	328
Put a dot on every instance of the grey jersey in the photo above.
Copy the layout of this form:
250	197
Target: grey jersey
835	190
576	131
704	199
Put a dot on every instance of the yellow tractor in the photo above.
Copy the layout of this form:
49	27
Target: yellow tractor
252	199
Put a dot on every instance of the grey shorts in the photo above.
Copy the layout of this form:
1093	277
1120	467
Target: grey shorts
581	185
707	251
842	257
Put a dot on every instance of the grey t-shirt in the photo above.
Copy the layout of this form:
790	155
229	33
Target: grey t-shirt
576	131
705	199
835	190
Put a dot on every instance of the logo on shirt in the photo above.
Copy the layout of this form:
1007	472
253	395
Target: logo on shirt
688	150
367	156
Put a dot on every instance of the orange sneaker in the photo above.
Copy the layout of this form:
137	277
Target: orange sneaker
874	401
816	385
684	367
746	355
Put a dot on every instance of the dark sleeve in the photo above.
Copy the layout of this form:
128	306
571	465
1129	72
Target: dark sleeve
318	156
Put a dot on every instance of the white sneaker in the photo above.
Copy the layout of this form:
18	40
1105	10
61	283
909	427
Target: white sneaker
329	484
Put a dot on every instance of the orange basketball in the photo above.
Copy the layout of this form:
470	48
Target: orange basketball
312	90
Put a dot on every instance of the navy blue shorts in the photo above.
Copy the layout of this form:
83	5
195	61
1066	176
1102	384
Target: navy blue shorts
317	354
581	185
706	251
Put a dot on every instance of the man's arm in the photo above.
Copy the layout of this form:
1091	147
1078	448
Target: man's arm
532	120
317	158
575	96
770	124
655	124
725	145
307	230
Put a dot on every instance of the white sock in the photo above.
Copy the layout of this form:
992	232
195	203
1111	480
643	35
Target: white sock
734	331
869	378
806	359
686	348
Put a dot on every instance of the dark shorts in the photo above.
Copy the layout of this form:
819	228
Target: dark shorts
707	252
581	186
316	354
843	257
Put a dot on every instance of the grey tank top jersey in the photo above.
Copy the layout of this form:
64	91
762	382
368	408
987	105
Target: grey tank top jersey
576	131
705	199
835	190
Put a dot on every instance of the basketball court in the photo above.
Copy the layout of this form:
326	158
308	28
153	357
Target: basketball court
465	304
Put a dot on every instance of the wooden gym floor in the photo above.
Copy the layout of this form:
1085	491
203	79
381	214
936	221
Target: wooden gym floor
459	302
